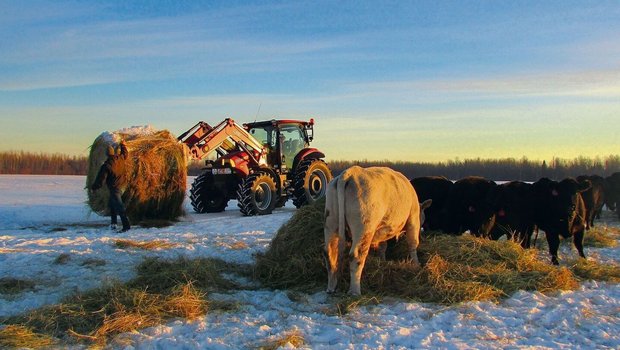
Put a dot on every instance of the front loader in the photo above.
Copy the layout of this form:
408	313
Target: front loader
260	164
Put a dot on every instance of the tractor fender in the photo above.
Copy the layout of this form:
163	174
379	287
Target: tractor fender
275	176
307	153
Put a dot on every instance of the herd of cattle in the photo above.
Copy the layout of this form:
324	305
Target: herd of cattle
366	207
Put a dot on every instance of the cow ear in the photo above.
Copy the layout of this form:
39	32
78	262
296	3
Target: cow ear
427	203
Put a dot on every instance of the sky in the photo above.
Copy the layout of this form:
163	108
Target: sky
421	81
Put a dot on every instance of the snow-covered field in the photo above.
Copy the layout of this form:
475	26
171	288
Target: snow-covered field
42	217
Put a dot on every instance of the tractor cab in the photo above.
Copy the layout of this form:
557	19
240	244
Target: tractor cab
283	140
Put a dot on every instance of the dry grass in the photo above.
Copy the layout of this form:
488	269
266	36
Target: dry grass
294	339
9	285
156	173
163	276
591	270
162	290
186	301
146	245
601	237
20	337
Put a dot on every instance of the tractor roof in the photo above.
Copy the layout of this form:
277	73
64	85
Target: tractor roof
275	122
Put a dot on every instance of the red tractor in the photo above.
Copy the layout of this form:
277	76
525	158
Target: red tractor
261	164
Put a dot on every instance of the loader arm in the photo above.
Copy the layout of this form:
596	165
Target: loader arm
203	139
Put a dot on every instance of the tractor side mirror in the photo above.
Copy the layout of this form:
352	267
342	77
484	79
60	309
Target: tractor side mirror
310	132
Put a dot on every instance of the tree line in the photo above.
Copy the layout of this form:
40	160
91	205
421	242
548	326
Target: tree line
14	162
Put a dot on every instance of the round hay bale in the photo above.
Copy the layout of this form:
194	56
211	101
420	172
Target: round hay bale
156	173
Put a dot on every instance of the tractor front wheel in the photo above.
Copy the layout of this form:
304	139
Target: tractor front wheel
205	196
310	182
257	194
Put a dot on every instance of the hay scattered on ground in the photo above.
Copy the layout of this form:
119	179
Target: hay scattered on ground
163	276
20	337
162	290
10	285
592	270
156	173
146	245
454	268
601	237
294	339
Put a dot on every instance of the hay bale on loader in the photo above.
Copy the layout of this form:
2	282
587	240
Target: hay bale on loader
156	173
454	268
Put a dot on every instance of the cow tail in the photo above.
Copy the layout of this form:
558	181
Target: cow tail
340	186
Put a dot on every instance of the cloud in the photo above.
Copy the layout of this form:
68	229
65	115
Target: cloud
589	83
156	48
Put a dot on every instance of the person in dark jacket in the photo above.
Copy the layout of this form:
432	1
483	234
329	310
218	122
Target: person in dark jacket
113	172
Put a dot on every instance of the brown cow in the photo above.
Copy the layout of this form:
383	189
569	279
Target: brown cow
367	206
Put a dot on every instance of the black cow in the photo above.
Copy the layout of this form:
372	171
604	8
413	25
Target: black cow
560	211
612	196
436	188
514	213
468	207
593	198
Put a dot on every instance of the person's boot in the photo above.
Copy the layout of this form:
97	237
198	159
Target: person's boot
113	227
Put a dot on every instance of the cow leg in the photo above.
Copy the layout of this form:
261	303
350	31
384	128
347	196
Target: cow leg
335	248
578	242
553	240
412	235
357	259
527	237
381	250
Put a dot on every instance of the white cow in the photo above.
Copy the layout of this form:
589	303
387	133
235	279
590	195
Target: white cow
368	206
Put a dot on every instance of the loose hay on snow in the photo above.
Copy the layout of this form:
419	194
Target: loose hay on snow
162	290
156	173
20	337
10	285
454	268
600	237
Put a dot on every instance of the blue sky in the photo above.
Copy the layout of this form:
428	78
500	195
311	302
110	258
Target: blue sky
406	81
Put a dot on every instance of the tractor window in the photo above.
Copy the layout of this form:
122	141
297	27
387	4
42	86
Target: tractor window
293	141
265	136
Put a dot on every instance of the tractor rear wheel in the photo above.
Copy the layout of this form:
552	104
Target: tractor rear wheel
310	181
205	196
257	194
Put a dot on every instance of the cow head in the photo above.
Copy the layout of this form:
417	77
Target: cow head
558	204
512	203
469	208
423	206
